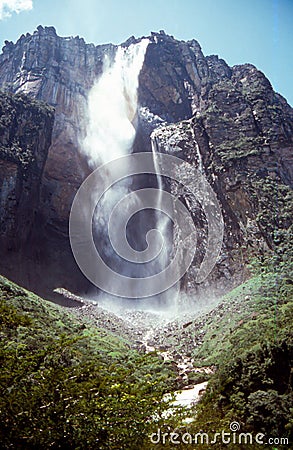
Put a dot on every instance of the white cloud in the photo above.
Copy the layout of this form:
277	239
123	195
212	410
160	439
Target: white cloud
7	7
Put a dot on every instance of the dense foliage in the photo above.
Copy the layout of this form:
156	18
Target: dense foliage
69	386
253	384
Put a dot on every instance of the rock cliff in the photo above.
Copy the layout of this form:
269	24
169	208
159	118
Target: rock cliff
227	121
60	72
25	136
240	135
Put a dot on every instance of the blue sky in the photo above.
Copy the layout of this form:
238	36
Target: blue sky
239	31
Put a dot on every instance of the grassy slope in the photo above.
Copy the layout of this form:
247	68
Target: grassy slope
50	321
248	337
249	314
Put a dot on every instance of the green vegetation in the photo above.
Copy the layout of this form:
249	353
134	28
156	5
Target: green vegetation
275	205
68	385
239	148
249	338
252	344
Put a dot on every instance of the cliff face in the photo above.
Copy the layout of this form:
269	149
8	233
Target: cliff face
226	120
60	72
240	135
25	136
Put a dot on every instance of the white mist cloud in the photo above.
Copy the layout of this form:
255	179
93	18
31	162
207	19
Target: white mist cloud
7	7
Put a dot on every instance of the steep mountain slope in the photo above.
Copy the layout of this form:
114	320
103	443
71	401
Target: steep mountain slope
66	380
243	133
227	121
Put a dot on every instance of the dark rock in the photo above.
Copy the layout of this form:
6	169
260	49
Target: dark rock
185	325
25	136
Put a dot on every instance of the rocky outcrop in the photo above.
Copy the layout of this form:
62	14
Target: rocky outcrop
227	121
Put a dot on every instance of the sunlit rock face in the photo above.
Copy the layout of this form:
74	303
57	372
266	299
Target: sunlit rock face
226	121
59	71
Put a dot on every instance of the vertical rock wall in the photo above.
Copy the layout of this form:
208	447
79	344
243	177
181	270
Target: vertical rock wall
228	118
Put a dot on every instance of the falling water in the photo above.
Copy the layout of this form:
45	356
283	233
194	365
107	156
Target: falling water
112	110
112	114
163	221
112	106
198	154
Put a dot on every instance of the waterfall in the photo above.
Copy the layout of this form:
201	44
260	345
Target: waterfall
162	220
198	154
112	110
199	158
112	106
123	223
